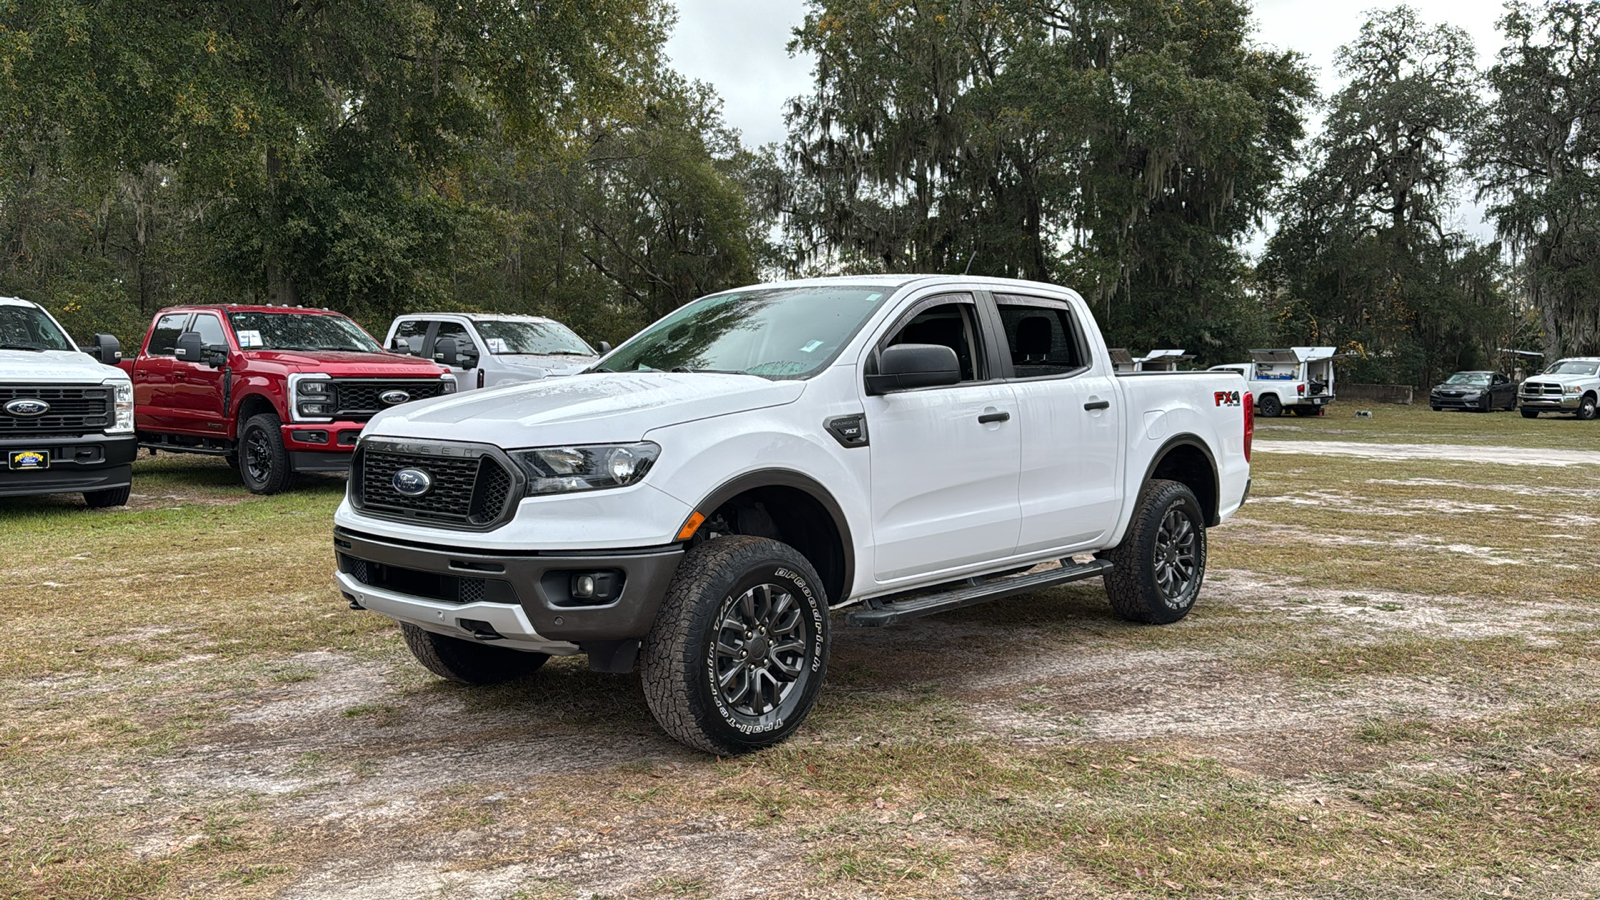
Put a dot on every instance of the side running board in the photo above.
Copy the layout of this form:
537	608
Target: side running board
888	612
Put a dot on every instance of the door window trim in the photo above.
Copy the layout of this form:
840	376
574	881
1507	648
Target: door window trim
1032	301
983	371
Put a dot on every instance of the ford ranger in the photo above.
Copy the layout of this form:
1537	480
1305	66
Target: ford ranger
66	420
275	389
699	502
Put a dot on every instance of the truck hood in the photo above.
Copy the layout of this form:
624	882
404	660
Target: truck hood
349	363
550	365
607	407
54	367
1562	380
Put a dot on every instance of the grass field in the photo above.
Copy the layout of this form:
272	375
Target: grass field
1390	688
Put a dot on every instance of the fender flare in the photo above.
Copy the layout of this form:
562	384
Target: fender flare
789	478
1190	440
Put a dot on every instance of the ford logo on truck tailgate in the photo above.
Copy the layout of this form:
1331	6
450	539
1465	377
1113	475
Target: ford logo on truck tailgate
27	407
394	397
412	482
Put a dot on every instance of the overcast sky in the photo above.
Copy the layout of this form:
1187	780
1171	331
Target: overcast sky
738	46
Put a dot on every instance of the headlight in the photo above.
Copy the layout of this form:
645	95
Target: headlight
559	470
1571	389
448	383
122	396
313	396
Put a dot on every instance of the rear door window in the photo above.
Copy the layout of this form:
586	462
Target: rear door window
1043	336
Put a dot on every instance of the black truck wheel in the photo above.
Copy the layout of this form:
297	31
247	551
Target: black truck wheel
469	662
1529	413
1159	566
107	497
739	649
263	463
1271	407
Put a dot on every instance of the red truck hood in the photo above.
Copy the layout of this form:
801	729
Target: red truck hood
348	363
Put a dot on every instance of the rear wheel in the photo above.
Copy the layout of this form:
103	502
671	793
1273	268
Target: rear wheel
263	461
1158	568
468	662
739	649
1271	407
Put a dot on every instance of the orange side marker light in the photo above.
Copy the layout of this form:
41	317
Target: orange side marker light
690	526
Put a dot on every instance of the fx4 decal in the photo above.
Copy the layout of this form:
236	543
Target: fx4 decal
1227	398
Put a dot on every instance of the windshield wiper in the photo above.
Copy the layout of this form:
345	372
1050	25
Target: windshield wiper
22	347
565	353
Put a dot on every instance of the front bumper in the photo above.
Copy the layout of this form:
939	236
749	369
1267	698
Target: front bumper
93	462
1441	402
1549	402
321	446
524	597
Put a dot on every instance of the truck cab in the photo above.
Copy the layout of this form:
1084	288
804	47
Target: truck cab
276	390
488	350
66	418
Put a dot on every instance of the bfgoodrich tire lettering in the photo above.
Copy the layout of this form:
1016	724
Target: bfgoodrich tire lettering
740	647
468	662
1160	564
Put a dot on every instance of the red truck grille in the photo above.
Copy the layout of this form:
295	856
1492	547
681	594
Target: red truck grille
468	486
360	399
73	410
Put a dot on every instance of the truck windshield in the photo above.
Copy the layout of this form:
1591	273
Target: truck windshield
26	328
1572	367
299	331
776	333
503	336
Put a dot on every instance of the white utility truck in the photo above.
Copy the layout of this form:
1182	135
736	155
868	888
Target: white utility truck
702	499
1293	378
66	419
490	349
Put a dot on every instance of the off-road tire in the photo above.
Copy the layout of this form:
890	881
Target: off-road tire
1530	413
263	462
720	588
469	662
1586	408
107	497
1158	568
1271	406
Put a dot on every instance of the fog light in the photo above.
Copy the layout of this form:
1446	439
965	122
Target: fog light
583	586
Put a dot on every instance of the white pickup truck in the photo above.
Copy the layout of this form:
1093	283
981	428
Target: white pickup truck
492	349
66	419
700	500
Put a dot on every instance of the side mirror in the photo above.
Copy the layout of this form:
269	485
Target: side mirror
447	352
605	347
401	345
107	349
190	348
906	366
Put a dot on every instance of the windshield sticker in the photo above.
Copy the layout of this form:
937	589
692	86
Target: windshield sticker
498	345
811	347
873	298
250	338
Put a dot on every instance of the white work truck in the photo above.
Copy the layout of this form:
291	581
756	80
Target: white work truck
492	349
702	499
1298	379
66	419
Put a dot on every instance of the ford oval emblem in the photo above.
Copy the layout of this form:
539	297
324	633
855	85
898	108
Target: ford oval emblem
394	397
27	407
412	482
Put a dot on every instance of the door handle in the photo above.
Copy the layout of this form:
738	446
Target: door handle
1097	404
988	418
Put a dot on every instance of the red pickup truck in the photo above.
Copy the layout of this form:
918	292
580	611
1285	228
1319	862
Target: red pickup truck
275	389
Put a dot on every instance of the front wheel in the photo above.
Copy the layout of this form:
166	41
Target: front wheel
263	461
1530	413
107	497
1158	568
740	646
1586	408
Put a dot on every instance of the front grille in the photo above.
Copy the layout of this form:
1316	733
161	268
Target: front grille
429	585
469	486
360	399
74	411
1536	388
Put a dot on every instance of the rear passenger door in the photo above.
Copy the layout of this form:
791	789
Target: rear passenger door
944	459
1069	489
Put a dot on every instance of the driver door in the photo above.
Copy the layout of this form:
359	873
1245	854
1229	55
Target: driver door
944	460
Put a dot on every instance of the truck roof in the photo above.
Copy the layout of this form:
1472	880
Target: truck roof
18	301
251	307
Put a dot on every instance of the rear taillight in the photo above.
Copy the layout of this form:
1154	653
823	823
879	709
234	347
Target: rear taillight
1249	423
1301	388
